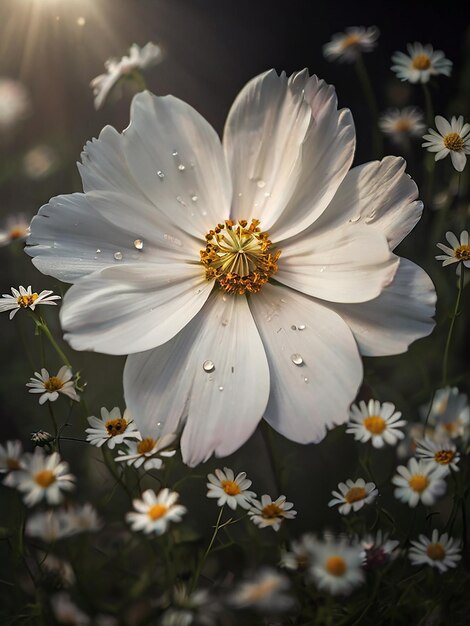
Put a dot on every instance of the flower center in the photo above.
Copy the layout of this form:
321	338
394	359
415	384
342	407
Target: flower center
463	253
271	511
436	552
45	478
375	424
27	300
450	427
237	257
418	482
421	62
444	457
156	511
230	487
355	494
263	589
453	141
403	125
53	384
13	464
351	40
116	427
146	445
335	565
17	232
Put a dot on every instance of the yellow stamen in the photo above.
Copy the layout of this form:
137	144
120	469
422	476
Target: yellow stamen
53	384
453	141
156	511
436	552
45	478
350	40
230	487
444	457
271	511
335	565
146	445
421	62
418	482
355	494
116	427
27	300
375	424
462	253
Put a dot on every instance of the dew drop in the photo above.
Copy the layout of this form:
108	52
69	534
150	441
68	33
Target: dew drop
194	198
181	167
221	388
260	183
305	380
267	194
174	153
208	366
118	256
98	251
293	327
240	194
138	244
160	174
322	268
224	322
297	359
301	327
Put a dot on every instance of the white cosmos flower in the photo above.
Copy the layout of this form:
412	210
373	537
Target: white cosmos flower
402	124
348	46
452	138
337	565
441	551
230	489
353	495
441	454
51	386
155	512
153	249
271	513
419	482
25	298
111	429
449	414
378	423
15	103
137	59
266	591
15	228
146	453
420	63
11	456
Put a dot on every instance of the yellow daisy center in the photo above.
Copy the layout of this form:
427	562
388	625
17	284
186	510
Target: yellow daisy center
271	511
45	478
230	487
418	482
463	253
375	424
421	62
403	125
444	457
350	40
12	464
453	141
238	257
27	300
450	427
335	565
53	384
436	552
156	511
146	445
355	494
116	426
263	589
17	232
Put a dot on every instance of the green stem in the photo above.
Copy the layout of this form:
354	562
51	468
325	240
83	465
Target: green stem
112	471
55	426
44	328
445	365
370	97
206	553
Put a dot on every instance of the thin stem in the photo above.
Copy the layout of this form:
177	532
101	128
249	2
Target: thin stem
44	328
206	553
370	97
54	426
445	365
428	104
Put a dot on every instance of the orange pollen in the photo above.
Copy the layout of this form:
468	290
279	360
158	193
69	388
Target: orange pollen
116	427
418	482
238	257
146	445
17	233
403	125
53	384
13	464
230	487
375	424
453	141
355	494
462	253
421	62
271	511
45	478
335	565
27	300
156	511
444	457
436	552
350	40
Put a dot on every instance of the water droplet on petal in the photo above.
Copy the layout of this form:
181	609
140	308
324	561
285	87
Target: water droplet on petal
305	380
98	251
118	256
138	244
260	183
322	268
174	153
240	194
355	219
160	174
221	388
267	194
194	198
181	167
208	366
293	327
224	322
301	327
297	359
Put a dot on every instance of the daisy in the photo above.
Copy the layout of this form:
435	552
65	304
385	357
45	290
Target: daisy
81	518
441	454
441	552
15	103
420	63
230	489
349	45
458	253
378	550
230	274
419	482
402	124
11	456
15	228
453	138
24	299
337	565
413	432
146	452
197	607
266	591
43	478
51	386
111	429
49	526
378	423
138	59
449	413
267	512
353	495
155	512
299	557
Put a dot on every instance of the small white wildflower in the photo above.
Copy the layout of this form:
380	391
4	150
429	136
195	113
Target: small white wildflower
349	45
441	454
266	591
401	125
11	456
24	299
419	482
337	565
155	511
299	557
459	253
453	138
51	386
449	414
111	429
378	423
15	228
353	495
267	512
420	63
146	453
441	552
230	489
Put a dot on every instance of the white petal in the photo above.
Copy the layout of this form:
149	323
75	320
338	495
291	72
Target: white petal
288	148
311	396
458	160
132	308
169	384
442	125
399	316
349	264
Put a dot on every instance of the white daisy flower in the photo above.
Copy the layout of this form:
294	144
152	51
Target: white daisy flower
170	287
353	495
197	607
49	526
138	59
146	453
51	386
24	299
453	138
43	478
349	45
337	565
441	551
267	591
15	103
401	125
458	253
449	414
420	63
111	429
230	489
378	550
378	423
81	518
267	512
11	456
419	482
15	228
155	512
299	557
442	454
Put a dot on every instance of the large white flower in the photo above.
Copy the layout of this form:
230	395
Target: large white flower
166	252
